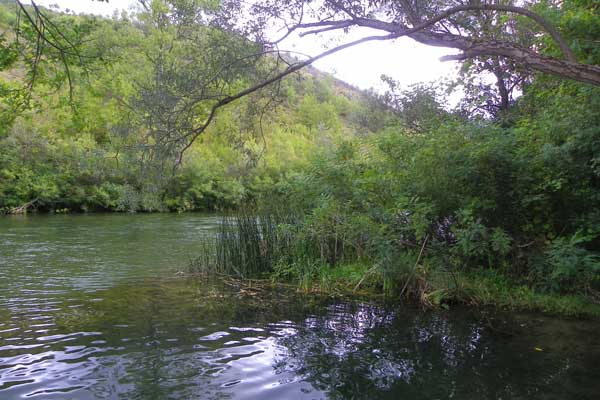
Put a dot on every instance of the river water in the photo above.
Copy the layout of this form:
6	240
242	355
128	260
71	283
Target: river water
93	307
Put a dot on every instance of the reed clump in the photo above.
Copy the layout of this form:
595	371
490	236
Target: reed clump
247	244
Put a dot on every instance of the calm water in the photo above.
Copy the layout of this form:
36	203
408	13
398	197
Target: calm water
92	307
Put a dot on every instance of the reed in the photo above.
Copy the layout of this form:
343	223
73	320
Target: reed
246	245
251	244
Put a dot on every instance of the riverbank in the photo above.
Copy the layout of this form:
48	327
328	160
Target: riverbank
481	289
285	249
434	289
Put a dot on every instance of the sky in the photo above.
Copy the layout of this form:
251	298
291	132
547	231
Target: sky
403	59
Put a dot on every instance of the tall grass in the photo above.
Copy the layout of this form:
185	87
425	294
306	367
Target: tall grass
275	243
247	244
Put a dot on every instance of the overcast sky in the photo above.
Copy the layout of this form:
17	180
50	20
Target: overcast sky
403	59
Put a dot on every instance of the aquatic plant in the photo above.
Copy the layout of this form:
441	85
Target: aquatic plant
247	244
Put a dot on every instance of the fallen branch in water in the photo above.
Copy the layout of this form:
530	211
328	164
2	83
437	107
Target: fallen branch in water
23	209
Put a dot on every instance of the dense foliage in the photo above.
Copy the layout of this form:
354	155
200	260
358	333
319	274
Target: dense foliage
108	147
521	200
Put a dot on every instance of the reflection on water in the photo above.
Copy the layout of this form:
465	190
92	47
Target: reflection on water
134	331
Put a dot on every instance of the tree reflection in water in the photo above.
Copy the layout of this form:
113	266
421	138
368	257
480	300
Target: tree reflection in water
184	339
365	351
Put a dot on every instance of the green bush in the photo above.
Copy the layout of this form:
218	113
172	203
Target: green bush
569	265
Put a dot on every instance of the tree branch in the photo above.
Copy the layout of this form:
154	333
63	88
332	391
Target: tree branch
193	135
568	68
396	28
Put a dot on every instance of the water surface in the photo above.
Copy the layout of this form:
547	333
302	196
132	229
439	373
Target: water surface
92	307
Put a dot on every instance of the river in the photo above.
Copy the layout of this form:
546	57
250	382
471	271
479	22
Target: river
94	307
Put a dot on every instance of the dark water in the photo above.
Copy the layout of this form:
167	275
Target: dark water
91	307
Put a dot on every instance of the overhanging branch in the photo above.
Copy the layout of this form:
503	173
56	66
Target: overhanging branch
193	135
396	28
568	68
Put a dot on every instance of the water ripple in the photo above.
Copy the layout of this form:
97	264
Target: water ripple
88	310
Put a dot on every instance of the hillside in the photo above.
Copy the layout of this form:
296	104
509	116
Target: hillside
95	151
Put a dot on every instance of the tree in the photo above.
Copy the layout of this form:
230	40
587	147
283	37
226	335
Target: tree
497	36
